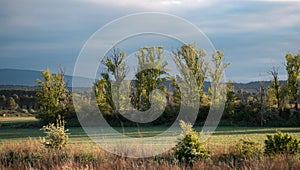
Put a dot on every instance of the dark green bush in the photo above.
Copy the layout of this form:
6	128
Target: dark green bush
280	143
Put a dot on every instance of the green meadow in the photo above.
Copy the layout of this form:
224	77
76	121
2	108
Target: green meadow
16	129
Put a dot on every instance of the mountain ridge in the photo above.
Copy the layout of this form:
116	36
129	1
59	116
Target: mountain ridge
27	78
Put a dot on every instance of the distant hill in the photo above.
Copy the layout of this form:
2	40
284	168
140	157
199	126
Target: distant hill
254	86
14	77
27	78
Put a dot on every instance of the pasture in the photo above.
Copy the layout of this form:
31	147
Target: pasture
20	148
17	129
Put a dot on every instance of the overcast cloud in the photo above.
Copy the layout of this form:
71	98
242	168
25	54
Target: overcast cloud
255	35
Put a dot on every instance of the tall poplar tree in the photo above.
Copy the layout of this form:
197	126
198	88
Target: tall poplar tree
191	60
114	73
293	70
151	73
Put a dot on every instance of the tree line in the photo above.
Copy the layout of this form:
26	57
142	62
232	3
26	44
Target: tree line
18	99
274	105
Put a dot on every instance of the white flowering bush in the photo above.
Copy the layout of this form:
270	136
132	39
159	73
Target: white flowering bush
190	148
56	134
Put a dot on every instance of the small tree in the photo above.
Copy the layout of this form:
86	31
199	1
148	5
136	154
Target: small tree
231	99
112	77
190	148
2	102
56	134
16	97
53	97
277	92
11	104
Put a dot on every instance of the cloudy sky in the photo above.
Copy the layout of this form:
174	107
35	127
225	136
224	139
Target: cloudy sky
255	35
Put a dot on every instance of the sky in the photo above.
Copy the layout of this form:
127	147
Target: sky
254	35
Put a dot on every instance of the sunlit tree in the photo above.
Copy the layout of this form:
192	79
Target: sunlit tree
293	70
151	73
53	96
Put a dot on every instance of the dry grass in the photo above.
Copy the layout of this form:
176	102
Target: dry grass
32	155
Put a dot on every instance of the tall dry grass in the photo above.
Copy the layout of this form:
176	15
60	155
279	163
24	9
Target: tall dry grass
32	155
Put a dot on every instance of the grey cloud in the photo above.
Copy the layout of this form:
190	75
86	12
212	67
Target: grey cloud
35	34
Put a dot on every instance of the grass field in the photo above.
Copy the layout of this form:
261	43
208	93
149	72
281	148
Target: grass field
18	151
12	129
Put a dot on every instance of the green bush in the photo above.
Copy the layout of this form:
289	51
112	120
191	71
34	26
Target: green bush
241	153
190	148
280	143
245	149
56	135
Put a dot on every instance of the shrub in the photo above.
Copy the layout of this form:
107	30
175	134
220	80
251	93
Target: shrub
245	149
56	135
280	143
27	153
190	148
85	157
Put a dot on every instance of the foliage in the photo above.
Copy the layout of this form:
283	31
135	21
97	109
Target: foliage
245	149
241	152
293	70
56	134
190	148
103	95
280	143
151	73
190	61
29	155
114	73
11	104
85	157
24	97
215	72
276	92
53	97
231	99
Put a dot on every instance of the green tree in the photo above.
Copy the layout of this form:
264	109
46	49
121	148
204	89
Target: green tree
231	99
102	91
151	73
54	98
107	91
276	92
215	72
11	104
293	70
262	103
16	97
218	88
190	60
2	101
117	67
